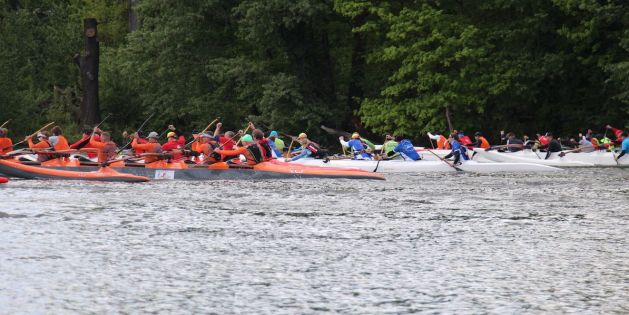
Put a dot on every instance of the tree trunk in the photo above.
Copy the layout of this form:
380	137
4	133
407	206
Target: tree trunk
449	119
133	16
357	72
90	110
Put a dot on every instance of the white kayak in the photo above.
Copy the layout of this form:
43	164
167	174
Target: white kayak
531	157
597	158
402	166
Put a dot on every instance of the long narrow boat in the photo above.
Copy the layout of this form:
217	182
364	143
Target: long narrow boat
402	166
182	171
106	174
517	157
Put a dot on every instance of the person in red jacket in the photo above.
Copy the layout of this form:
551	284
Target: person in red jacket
225	141
617	132
463	139
174	145
84	143
152	146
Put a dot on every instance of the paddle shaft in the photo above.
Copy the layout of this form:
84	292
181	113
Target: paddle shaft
444	161
5	123
139	129
202	132
31	135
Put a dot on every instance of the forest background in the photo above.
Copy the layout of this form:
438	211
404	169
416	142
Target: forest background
378	67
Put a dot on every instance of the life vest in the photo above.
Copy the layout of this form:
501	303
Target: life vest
108	152
260	151
407	150
313	148
357	146
442	143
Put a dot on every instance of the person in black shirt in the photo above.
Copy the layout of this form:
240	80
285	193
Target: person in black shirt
552	146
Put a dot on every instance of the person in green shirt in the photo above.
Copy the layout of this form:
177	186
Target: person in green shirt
388	146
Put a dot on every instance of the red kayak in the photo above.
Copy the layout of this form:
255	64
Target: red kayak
3	180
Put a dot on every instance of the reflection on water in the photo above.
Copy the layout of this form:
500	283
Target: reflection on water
457	243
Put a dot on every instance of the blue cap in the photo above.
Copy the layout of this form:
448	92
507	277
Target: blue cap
273	134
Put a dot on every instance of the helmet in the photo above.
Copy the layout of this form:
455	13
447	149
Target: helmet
273	134
246	138
355	135
302	135
153	135
171	134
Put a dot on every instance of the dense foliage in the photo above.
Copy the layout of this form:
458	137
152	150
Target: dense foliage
292	65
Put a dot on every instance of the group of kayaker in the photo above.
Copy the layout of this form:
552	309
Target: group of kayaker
209	147
205	147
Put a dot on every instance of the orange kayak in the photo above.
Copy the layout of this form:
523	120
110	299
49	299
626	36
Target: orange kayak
106	174
273	169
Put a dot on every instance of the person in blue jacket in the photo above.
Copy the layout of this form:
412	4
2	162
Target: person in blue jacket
458	151
406	150
624	147
358	147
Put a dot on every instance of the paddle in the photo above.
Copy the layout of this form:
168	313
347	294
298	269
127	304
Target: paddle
139	129
445	161
30	136
336	132
505	146
287	156
203	131
232	138
5	123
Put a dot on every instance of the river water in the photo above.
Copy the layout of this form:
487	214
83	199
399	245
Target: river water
426	243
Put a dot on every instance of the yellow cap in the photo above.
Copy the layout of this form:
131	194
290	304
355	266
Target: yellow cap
302	135
171	134
355	135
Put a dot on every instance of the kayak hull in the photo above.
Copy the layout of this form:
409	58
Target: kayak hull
222	171
516	157
105	174
402	166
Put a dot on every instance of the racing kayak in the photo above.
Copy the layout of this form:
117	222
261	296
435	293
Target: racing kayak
403	166
3	180
105	174
517	157
182	171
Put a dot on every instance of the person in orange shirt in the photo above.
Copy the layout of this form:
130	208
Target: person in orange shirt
6	145
106	147
58	141
442	142
43	143
256	152
152	146
480	142
207	148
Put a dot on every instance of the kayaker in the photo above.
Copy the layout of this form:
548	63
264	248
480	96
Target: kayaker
255	152
585	145
617	132
442	142
43	143
388	146
463	139
84	142
458	151
357	146
206	148
307	149
480	142
106	148
174	145
624	146
406	150
514	144
152	146
276	144
57	140
6	144
226	141
605	143
553	145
